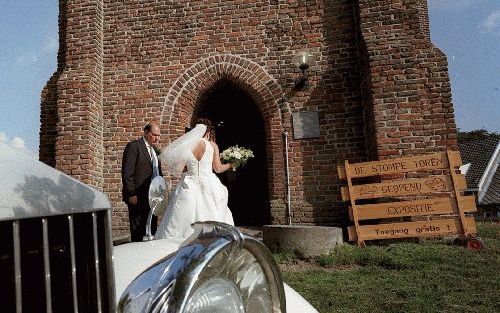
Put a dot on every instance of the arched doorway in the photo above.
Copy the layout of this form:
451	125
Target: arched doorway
239	122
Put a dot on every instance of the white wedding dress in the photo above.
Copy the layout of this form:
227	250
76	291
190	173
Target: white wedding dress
199	196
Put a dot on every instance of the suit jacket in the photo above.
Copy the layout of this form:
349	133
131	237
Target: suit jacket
137	169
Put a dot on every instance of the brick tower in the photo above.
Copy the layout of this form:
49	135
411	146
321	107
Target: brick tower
378	88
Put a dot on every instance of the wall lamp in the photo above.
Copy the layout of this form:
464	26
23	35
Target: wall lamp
303	60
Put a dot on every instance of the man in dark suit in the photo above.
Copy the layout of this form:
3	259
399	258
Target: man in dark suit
139	166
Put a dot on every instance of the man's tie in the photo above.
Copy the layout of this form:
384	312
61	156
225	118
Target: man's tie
155	161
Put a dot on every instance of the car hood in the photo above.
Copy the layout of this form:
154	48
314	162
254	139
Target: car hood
132	259
31	188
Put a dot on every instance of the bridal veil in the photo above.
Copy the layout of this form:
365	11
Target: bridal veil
174	156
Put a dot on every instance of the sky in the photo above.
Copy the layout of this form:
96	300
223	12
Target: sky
467	31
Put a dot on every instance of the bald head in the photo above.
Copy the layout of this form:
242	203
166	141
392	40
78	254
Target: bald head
152	133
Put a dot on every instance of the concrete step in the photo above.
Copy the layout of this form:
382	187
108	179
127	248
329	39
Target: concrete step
302	240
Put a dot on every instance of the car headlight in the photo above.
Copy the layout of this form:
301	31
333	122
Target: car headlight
216	295
217	269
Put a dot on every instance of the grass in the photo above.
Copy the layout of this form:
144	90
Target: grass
431	276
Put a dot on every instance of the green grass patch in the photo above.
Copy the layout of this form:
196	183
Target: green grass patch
431	276
284	258
488	230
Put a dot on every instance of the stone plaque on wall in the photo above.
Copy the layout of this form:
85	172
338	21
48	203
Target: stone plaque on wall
305	125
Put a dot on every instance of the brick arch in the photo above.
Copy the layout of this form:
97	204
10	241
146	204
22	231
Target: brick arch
202	75
184	95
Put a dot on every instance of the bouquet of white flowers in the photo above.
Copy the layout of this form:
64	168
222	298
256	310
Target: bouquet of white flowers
238	156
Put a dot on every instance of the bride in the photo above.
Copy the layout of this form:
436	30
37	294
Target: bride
199	195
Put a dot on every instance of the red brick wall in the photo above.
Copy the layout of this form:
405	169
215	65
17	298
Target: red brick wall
48	105
131	62
71	135
406	85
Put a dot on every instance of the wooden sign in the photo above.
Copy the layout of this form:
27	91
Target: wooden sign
432	228
421	207
446	199
403	187
399	165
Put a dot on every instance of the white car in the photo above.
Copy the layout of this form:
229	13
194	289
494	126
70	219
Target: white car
57	256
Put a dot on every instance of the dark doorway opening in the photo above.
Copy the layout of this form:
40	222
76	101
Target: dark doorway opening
239	122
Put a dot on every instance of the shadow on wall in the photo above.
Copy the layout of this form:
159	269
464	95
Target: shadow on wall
337	97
